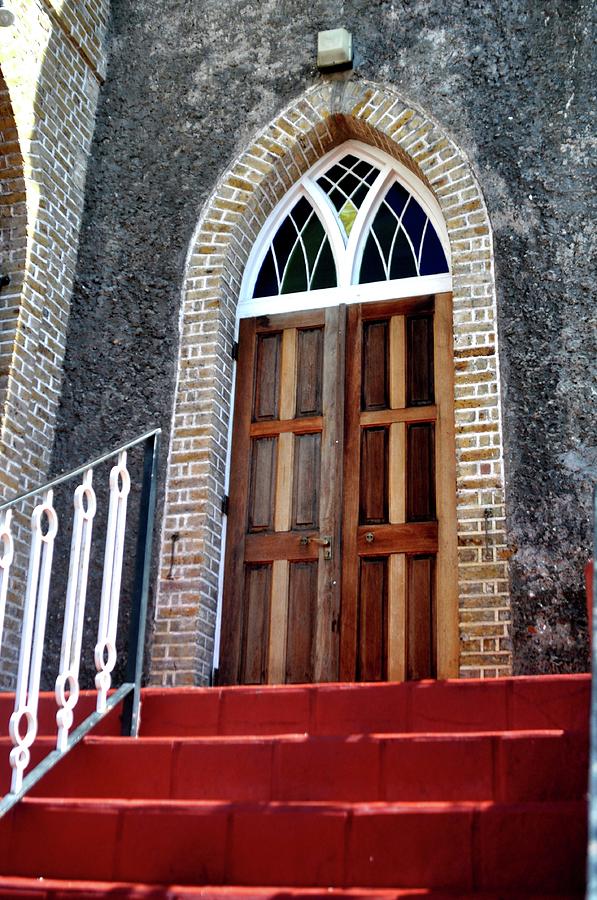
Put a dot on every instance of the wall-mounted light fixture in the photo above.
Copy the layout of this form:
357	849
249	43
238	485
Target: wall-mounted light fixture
334	50
7	17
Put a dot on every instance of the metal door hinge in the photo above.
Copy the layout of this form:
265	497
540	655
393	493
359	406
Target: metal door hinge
234	351
225	504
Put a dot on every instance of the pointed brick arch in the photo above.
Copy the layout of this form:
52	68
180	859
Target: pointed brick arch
321	119
13	239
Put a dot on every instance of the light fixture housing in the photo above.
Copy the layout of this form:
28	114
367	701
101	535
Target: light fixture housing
7	17
334	49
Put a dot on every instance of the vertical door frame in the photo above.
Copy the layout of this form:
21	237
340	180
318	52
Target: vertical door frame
446	569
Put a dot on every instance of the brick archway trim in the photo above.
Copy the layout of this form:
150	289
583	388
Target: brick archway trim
322	118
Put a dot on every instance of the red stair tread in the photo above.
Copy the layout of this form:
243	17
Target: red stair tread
54	889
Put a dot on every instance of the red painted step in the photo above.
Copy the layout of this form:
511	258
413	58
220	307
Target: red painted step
460	789
425	706
461	846
110	724
501	766
55	889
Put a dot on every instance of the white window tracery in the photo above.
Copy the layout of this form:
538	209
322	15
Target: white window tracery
358	226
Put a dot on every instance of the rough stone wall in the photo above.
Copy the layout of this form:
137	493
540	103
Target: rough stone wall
52	65
191	83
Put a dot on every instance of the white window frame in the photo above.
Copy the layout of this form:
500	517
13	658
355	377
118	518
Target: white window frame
346	256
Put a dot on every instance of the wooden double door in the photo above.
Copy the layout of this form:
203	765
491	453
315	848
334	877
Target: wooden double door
341	539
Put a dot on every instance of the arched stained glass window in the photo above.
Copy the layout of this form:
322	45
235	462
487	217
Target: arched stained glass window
358	217
299	258
402	242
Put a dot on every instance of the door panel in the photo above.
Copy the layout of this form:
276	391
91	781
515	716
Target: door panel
373	624
302	616
342	497
390	464
255	624
373	507
261	491
420	472
420	617
290	371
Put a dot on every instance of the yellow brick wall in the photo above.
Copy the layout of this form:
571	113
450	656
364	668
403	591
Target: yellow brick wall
52	64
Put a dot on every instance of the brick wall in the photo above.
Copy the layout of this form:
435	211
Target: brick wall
186	608
52	65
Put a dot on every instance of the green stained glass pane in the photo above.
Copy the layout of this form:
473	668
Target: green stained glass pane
295	277
312	236
348	214
324	275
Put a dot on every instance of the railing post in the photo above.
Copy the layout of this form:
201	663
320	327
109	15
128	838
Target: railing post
134	670
7	546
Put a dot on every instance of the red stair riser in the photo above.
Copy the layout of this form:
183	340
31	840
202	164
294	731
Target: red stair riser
295	847
504	767
460	846
430	847
47	710
472	705
541	702
537	768
184	846
518	848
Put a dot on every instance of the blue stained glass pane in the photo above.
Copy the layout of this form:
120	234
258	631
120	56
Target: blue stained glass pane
384	226
334	174
363	169
405	234
359	195
267	283
433	258
283	242
301	212
337	198
397	197
350	178
349	183
413	222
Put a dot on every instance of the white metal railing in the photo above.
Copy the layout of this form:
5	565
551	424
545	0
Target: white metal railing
23	724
